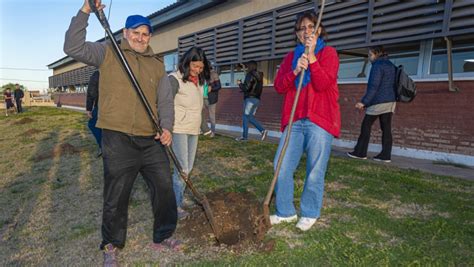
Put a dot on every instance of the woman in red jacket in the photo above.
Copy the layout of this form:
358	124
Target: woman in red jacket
316	122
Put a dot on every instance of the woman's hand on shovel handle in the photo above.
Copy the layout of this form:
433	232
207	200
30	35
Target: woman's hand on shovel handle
302	64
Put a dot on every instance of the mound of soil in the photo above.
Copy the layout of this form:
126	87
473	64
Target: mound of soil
31	132
23	121
62	149
236	217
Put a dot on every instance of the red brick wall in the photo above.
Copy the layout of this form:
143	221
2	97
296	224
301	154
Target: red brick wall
71	99
437	120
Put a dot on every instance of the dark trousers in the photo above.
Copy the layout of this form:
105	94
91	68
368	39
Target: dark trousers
124	157
364	137
19	109
97	132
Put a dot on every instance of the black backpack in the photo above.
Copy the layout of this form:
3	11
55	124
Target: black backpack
405	87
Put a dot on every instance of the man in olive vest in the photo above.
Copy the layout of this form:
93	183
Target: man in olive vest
129	143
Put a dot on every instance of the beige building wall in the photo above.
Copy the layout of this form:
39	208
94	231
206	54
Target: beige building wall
166	38
69	67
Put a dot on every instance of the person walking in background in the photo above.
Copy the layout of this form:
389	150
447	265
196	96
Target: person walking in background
92	108
18	93
187	86
317	121
7	96
205	130
129	140
252	88
210	103
379	102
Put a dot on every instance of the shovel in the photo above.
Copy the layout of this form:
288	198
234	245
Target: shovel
201	199
264	223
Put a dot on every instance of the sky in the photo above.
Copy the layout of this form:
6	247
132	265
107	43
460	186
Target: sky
32	34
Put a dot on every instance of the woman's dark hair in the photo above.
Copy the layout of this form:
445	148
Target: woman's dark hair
251	65
313	18
194	54
378	51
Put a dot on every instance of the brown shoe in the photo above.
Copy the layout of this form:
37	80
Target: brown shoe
110	256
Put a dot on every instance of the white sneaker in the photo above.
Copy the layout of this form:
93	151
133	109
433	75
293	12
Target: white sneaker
305	223
264	134
275	219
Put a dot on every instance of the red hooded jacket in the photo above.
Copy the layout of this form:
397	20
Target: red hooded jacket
318	100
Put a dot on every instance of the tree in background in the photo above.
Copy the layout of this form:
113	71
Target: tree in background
12	86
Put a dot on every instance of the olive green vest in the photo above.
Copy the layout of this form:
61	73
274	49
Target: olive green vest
120	108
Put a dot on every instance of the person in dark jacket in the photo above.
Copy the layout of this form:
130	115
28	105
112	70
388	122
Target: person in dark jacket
210	103
18	94
379	102
92	108
252	89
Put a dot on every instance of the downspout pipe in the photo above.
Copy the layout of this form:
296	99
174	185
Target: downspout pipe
449	48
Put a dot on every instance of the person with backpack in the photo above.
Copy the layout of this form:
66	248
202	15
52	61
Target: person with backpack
379	102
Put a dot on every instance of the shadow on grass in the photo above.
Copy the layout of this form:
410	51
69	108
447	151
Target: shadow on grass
26	198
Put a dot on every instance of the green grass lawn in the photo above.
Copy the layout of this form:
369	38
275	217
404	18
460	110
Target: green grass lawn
51	204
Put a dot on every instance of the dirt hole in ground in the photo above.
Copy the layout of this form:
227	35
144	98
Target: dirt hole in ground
236	217
62	149
23	121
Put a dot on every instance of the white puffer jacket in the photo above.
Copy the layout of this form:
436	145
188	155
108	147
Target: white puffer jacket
188	104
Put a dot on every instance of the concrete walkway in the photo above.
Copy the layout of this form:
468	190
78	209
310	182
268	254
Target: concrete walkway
428	166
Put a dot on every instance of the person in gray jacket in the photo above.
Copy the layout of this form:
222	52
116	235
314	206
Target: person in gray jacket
129	140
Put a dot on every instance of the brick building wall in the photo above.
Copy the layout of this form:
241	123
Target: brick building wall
437	120
71	99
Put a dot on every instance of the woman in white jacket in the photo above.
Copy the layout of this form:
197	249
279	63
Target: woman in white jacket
187	84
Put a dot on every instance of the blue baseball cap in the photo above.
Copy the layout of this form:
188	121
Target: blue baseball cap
136	21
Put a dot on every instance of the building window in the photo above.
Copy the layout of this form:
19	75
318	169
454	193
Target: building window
171	62
406	54
225	75
239	73
353	64
229	74
273	67
463	55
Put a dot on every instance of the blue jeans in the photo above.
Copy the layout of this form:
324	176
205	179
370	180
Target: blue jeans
316	143
250	107
184	146
97	132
